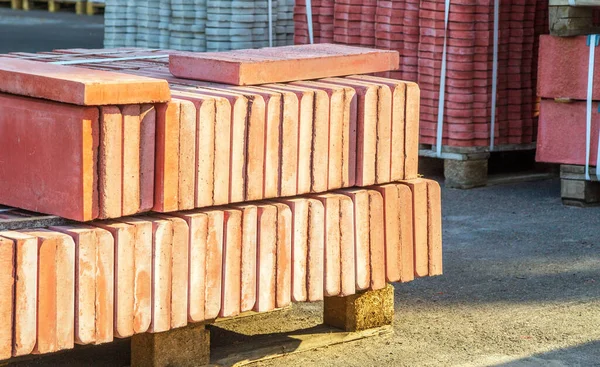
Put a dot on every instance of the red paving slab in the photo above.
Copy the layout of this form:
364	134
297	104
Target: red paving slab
248	255
434	227
166	184
418	188
267	258
284	256
110	165
214	263
131	160
284	64
7	286
79	86
58	145
232	263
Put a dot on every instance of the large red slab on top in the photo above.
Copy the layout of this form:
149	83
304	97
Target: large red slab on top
281	64
563	68
58	146
78	85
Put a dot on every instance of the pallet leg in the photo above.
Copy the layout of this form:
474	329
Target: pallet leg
580	193
465	174
183	347
362	311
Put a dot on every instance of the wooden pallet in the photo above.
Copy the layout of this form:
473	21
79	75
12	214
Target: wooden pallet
55	5
575	190
93	8
566	20
467	167
14	4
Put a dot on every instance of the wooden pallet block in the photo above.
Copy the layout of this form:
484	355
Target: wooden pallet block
93	7
566	20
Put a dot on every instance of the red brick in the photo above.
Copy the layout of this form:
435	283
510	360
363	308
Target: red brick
56	291
58	145
300	216
124	244
77	85
267	258
434	227
214	263
284	256
305	99
281	64
179	266
26	265
166	184
347	255
332	268
316	250
131	160
142	273
110	166
377	240
147	153
360	202
249	243
418	188
162	241
232	263
94	283
7	286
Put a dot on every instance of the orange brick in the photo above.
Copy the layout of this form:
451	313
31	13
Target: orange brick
267	258
281	64
110	166
7	301
289	129
166	184
249	242
272	134
398	137
214	263
418	188
340	105
205	145
147	154
392	230
26	265
381	98
124	244
94	283
347	256
284	256
236	158
142	273
130	162
56	291
407	238
232	262
376	241
332	269
316	250
179	266
187	156
434	227
300	216
78	85
360	200
58	146
305	99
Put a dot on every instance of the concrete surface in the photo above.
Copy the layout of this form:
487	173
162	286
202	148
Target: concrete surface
38	30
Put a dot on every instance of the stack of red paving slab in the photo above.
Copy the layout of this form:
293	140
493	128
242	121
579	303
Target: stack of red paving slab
285	185
563	86
417	30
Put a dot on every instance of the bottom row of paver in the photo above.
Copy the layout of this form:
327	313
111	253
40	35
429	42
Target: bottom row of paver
88	284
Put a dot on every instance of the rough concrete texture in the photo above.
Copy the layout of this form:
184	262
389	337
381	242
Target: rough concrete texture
360	311
183	347
465	174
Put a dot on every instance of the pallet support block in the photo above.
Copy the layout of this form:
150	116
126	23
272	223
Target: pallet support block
567	21
361	311
580	193
182	347
465	174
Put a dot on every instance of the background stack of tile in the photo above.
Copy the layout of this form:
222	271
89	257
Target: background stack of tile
193	25
335	156
417	31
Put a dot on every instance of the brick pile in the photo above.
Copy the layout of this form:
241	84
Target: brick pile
563	85
192	25
417	29
261	195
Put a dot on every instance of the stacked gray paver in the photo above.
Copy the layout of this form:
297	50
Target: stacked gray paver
197	25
